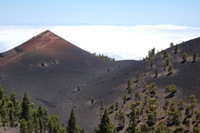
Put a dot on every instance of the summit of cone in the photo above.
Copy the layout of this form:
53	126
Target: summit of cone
43	40
49	46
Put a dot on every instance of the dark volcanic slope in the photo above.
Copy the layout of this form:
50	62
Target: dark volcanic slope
186	75
51	68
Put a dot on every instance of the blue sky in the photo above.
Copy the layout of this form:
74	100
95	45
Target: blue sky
100	12
121	29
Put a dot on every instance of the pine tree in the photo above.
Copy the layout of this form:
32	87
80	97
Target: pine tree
137	96
116	106
151	64
102	104
129	84
23	126
4	114
184	57
133	120
11	117
166	54
171	89
120	117
197	129
14	100
171	69
181	104
73	126
193	99
105	125
42	115
144	128
137	76
26	108
166	105
62	130
167	61
124	99
36	122
197	116
194	56
171	44
145	71
156	72
130	90
176	49
1	93
54	124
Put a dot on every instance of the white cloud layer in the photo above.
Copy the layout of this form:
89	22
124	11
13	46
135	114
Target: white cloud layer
119	42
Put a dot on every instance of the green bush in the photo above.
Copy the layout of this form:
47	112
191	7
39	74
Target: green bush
184	57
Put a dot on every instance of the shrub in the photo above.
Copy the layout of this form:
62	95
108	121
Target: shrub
78	88
171	44
55	61
137	76
171	69
171	89
193	99
151	53
102	104
184	57
194	56
151	64
167	61
124	98
42	63
176	49
156	72
92	100
145	71
166	54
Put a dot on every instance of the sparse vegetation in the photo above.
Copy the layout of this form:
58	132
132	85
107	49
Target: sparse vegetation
184	57
55	61
176	49
73	126
104	57
102	104
171	69
145	71
137	76
167	61
105	126
156	73
130	86
195	56
151	64
171	89
151	53
121	118
124	99
42	63
166	54
171	44
78	88
23	113
92	100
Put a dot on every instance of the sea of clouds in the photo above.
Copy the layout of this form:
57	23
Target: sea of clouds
119	42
